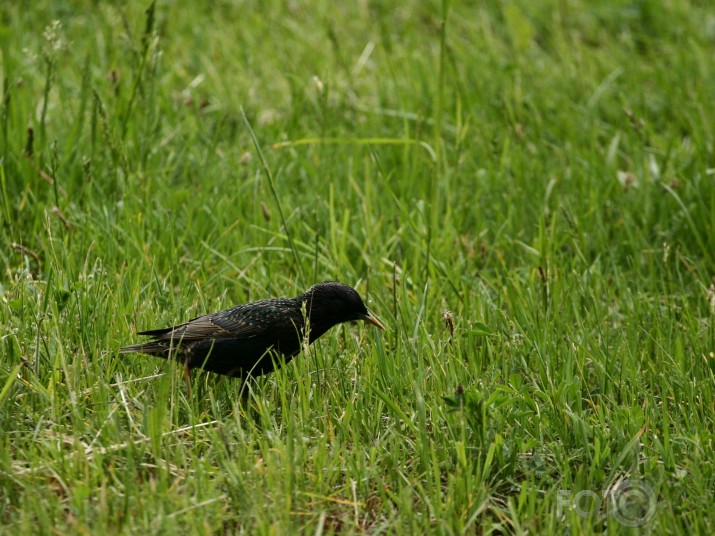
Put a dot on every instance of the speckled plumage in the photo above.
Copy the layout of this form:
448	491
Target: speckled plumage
239	341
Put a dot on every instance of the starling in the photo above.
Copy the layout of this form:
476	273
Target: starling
238	342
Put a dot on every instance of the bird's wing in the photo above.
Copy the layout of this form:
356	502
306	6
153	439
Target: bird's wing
243	322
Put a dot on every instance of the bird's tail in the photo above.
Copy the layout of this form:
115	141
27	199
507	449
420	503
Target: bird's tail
154	348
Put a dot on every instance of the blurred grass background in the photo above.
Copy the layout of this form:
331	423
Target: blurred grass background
539	175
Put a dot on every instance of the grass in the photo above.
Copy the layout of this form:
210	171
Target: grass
537	174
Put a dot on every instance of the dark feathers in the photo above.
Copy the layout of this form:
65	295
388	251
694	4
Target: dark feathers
240	341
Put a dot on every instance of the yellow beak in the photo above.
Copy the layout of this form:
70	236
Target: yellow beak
371	320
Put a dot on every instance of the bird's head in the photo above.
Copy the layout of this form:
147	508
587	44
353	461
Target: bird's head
333	303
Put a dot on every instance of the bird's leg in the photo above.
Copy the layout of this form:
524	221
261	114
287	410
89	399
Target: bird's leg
187	379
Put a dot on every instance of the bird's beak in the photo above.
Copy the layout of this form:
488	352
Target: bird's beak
371	320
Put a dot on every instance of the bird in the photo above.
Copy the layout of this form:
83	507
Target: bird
244	341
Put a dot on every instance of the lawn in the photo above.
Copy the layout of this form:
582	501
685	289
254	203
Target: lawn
523	192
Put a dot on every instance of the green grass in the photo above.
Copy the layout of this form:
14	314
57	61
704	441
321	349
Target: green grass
545	171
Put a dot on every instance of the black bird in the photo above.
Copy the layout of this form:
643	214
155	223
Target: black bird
238	342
